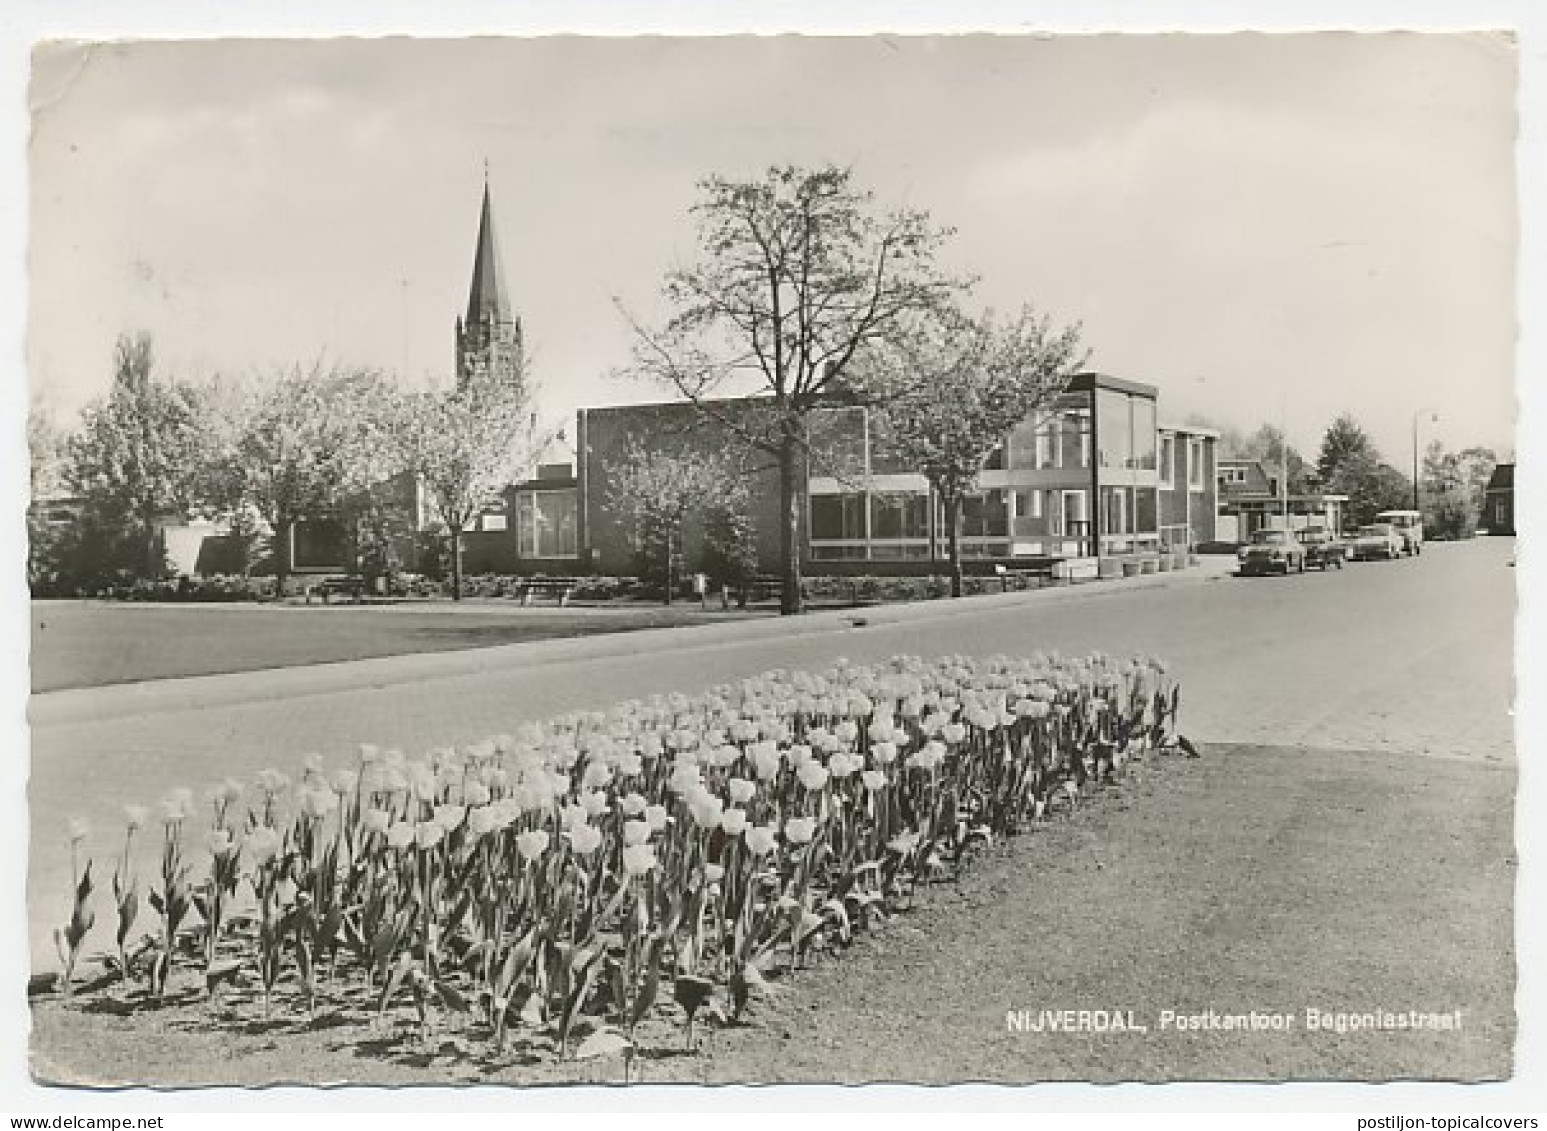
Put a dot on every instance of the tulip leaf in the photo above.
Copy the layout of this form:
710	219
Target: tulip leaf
452	998
645	998
691	992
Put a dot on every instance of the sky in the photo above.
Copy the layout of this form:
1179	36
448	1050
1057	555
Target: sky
1267	227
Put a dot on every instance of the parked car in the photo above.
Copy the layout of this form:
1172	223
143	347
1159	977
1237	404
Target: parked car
1409	524
1378	540
1271	551
1322	547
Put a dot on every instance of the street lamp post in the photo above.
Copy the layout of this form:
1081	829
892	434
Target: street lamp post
1433	416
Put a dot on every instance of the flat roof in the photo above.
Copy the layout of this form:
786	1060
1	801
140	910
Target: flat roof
1081	382
1190	429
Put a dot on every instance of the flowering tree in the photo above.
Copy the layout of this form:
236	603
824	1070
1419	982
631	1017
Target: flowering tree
655	492
466	444
307	442
137	453
798	275
951	395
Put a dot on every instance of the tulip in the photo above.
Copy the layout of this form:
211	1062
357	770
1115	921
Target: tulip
874	780
813	775
638	859
532	844
136	815
762	839
585	839
376	820
636	832
884	753
713	873
262	845
656	815
79	830
632	804
741	790
448	817
800	830
401	835
734	822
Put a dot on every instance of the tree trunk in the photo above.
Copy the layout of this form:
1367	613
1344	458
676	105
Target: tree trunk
154	563
456	564
285	536
953	541
790	601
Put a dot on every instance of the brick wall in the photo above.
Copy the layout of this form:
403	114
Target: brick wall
604	435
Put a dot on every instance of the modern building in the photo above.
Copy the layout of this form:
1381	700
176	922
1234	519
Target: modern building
1094	477
1251	498
1498	515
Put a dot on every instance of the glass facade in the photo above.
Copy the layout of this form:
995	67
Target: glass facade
545	524
1037	495
1058	439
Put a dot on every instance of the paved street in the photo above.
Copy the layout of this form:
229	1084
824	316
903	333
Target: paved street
1405	658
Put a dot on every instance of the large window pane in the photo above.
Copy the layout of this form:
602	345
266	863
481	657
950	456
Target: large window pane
903	515
838	517
1073	439
546	524
1114	428
1143	433
986	515
1146	512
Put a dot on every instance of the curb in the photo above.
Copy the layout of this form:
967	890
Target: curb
194	693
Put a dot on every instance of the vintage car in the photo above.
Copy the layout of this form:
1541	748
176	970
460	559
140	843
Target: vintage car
1322	547
1378	540
1407	524
1271	551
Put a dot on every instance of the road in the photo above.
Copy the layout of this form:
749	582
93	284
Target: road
1406	658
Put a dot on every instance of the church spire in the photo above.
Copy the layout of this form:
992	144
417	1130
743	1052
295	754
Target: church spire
489	338
486	298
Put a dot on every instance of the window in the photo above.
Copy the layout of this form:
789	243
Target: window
1195	465
985	515
545	524
899	516
494	522
1114	428
1146	516
1167	460
838	518
1074	437
1143	457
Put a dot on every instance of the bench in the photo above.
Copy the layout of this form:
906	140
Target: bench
557	587
351	584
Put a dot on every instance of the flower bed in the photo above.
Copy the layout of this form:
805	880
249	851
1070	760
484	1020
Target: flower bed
565	879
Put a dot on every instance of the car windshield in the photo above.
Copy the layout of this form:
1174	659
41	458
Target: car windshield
1378	531
1269	538
1400	518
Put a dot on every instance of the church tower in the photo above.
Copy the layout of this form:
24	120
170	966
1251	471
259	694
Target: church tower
489	337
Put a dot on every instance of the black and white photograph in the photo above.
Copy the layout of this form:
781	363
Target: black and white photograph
785	559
